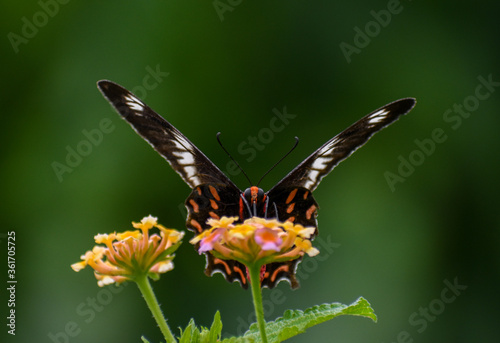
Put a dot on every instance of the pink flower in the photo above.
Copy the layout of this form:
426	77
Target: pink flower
255	241
268	239
207	243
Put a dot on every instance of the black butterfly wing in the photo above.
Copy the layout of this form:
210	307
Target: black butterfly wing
295	204
184	157
214	195
309	173
291	199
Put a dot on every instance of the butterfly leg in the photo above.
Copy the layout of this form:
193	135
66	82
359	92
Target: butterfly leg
276	211
244	201
266	207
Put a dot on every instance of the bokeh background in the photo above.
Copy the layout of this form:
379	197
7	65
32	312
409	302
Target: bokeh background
230	64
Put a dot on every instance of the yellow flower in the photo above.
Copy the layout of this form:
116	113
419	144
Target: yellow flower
224	222
129	254
305	232
241	231
96	253
306	246
256	240
146	223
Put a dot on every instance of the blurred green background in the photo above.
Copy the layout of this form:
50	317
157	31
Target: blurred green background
228	68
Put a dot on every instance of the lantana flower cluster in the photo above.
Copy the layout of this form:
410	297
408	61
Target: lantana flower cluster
127	255
256	240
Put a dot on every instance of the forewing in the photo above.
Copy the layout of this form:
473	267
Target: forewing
184	157
309	173
291	199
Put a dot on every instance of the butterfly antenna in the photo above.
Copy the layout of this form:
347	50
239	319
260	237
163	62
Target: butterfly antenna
281	159
232	159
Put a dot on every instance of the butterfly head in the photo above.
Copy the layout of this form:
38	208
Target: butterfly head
255	201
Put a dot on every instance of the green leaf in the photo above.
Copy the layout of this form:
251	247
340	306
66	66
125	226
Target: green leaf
215	329
295	322
190	333
291	324
193	335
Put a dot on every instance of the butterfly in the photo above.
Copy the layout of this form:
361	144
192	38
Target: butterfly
214	195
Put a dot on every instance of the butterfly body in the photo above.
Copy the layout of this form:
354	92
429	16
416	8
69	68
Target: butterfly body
214	195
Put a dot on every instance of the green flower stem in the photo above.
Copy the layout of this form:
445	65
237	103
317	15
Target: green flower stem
149	296
257	300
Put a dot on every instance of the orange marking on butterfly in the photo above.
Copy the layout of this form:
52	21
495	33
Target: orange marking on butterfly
242	275
199	190
310	211
193	203
283	268
196	225
290	208
306	194
214	204
229	271
214	192
224	263
213	215
291	219
291	196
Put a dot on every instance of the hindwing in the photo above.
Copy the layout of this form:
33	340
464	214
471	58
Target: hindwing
275	272
214	201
